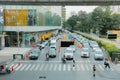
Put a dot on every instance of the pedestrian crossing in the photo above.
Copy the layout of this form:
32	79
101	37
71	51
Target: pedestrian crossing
56	67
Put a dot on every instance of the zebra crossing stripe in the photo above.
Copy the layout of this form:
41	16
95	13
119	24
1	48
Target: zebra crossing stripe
101	67
68	68
55	67
11	65
77	67
60	66
18	67
82	67
28	67
46	66
86	66
50	68
41	68
64	67
32	67
23	67
37	67
15	66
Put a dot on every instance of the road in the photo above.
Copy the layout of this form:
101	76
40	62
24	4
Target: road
54	69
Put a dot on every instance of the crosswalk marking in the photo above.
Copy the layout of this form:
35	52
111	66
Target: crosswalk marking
68	68
64	67
41	67
101	68
28	67
57	67
87	67
50	68
18	67
32	67
77	67
11	65
46	66
37	67
23	67
82	67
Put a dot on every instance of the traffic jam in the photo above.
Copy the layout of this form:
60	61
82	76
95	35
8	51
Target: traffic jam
63	47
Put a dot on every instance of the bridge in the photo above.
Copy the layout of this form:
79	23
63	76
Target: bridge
60	2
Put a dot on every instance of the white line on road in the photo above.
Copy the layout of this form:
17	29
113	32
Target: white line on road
60	66
18	67
101	68
28	67
55	67
32	67
50	68
23	67
41	68
37	67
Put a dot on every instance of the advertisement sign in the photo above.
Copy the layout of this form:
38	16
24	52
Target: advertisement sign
1	21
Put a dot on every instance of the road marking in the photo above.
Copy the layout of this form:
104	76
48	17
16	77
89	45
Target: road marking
55	67
15	66
28	67
86	66
11	65
50	68
68	67
64	67
23	67
18	67
101	67
41	67
37	67
46	66
32	67
82	67
60	67
77	67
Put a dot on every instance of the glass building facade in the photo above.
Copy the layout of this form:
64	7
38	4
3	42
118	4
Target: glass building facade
26	21
31	15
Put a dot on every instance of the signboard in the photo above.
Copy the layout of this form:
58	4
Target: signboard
1	21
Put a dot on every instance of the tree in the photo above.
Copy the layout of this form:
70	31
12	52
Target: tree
72	21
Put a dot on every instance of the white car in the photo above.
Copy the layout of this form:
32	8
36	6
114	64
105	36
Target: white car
85	52
52	52
68	53
73	48
98	54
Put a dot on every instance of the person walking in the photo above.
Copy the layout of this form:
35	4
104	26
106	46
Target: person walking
106	63
47	56
73	63
94	69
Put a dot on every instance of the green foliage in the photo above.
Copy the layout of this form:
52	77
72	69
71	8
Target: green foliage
99	21
110	48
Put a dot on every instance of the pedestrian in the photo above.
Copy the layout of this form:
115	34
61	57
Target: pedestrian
73	63
47	56
94	69
106	63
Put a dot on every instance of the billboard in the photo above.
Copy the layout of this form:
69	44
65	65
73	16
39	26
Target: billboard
15	17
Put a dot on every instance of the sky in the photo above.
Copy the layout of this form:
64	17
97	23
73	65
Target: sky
70	9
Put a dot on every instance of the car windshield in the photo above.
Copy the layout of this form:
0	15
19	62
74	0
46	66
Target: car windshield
68	51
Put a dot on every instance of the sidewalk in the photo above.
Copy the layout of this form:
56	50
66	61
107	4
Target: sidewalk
6	54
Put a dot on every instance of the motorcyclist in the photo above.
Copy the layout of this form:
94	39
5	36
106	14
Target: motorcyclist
47	56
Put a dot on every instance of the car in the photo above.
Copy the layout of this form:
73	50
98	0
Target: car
68	54
52	52
34	54
73	48
98	54
85	52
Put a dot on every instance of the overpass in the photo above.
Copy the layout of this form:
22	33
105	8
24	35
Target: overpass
60	2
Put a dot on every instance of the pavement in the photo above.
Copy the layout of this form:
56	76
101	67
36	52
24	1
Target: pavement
6	54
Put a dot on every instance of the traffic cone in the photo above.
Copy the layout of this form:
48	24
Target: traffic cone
12	69
18	63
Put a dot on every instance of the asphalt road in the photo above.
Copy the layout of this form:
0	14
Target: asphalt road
54	69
